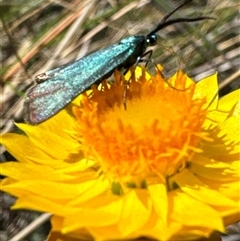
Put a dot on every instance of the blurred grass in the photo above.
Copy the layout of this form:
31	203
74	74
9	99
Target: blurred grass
40	35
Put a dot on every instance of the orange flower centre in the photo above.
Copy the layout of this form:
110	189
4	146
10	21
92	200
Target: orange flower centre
153	137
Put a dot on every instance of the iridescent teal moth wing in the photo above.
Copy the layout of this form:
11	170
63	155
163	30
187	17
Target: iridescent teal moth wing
61	85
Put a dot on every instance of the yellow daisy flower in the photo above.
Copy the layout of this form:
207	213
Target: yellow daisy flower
166	166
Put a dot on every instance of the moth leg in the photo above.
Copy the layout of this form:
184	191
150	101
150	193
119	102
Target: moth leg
141	60
127	84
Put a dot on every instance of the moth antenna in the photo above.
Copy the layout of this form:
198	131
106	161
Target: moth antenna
164	23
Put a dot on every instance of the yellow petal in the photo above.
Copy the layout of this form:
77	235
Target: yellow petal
195	188
50	189
230	129
110	232
26	171
228	101
21	147
100	212
204	167
190	212
191	233
164	232
158	194
38	203
135	212
99	186
208	87
60	147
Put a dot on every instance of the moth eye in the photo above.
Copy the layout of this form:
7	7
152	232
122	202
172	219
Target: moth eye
151	40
